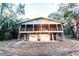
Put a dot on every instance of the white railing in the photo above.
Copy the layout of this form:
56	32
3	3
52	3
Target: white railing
40	31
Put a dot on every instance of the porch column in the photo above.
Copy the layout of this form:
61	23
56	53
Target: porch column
63	36
57	32
49	26
19	33
25	27
57	27
25	37
41	27
18	36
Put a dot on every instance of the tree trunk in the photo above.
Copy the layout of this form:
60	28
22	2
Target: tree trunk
1	17
77	34
1	12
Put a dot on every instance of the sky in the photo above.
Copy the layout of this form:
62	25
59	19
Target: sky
34	10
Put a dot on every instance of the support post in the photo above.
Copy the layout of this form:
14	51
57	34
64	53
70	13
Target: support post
19	33
63	36
41	27
57	27
57	33
25	37
18	36
49	26
25	27
52	37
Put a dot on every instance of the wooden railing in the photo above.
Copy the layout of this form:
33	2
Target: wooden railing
50	28
40	31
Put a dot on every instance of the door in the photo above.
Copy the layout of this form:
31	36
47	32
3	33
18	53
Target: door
32	37
45	37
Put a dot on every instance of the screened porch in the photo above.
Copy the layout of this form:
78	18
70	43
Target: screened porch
41	27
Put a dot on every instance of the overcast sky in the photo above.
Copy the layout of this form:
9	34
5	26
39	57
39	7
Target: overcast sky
34	10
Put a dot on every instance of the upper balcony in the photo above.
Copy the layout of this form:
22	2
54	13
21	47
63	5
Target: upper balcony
34	28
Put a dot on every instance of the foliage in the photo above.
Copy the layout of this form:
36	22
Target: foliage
69	12
9	24
20	9
55	16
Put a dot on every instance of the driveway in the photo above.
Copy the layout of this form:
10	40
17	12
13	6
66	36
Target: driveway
66	47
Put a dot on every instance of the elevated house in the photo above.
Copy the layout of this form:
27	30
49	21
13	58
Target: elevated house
41	30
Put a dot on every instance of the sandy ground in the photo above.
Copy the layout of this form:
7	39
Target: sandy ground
67	47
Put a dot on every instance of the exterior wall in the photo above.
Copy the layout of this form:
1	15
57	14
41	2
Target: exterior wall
42	21
42	37
33	37
47	21
43	27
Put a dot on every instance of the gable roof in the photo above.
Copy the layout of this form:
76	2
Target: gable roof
34	21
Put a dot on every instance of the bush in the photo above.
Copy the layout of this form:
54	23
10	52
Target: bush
9	29
5	36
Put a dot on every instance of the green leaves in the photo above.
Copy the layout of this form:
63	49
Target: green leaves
20	9
69	13
9	24
55	16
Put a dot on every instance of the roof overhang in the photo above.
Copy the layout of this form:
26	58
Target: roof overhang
34	21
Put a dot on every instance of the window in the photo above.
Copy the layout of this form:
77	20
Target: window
45	27
36	27
59	27
22	27
53	27
29	28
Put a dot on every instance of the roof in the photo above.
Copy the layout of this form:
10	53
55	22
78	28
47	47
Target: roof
34	21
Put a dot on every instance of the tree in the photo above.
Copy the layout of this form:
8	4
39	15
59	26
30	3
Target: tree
4	6
55	16
9	22
68	16
21	9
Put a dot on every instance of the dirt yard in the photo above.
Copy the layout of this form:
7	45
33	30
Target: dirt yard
67	47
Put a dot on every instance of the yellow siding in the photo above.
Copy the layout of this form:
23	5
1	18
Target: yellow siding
33	37
44	37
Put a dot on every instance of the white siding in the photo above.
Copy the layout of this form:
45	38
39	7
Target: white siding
32	37
44	37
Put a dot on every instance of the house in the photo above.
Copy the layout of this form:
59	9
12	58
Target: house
41	29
